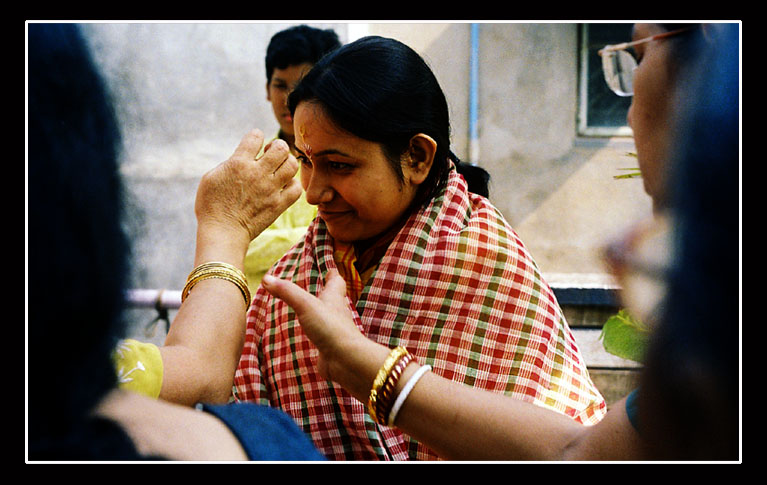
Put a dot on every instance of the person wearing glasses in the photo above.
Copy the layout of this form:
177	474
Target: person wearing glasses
685	116
648	68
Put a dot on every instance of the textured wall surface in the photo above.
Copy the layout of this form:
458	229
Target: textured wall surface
187	92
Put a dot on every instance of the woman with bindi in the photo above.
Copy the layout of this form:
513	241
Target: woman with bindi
685	114
433	272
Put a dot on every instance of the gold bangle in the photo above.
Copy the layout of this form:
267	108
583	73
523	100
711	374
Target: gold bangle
219	270
380	379
386	394
240	282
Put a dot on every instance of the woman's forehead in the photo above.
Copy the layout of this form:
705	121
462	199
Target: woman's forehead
311	122
317	135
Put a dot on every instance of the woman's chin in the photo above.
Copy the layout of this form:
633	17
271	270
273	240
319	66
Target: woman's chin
338	230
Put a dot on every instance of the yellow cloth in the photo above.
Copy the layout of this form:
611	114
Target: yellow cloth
139	367
277	239
349	264
346	261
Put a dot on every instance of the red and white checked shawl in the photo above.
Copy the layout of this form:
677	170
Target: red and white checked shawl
459	290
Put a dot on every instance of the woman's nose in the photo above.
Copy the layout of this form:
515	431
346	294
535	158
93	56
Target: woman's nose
318	190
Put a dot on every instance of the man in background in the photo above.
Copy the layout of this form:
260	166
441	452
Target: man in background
290	54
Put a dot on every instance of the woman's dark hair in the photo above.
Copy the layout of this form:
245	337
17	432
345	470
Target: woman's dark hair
298	45
381	90
690	389
77	250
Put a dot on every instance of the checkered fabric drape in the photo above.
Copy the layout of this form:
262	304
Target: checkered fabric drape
459	290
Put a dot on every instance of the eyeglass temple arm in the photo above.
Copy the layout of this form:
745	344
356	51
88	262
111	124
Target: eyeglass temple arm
626	45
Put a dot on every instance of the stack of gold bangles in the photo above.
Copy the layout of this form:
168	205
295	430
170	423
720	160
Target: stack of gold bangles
382	406
223	271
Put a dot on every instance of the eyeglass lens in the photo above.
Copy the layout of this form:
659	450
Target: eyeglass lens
619	68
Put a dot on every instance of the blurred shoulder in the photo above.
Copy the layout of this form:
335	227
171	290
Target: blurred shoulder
159	428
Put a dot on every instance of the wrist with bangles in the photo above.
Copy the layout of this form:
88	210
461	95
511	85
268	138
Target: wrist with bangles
383	405
218	270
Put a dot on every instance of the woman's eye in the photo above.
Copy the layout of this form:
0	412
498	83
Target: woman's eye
304	160
338	166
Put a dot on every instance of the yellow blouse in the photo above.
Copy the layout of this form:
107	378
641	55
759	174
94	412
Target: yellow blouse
139	367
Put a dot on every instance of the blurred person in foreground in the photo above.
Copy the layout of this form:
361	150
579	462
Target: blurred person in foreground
75	410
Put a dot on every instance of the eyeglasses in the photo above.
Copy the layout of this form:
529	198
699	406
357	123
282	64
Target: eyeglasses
618	64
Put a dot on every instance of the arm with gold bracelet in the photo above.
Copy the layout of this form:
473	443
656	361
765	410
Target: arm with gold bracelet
456	421
235	201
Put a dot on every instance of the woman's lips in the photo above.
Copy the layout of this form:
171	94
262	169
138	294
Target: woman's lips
332	215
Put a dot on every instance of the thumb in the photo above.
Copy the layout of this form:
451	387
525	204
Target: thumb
334	292
326	320
303	302
296	297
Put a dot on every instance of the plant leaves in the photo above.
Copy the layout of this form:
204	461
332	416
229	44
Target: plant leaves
636	173
627	176
625	337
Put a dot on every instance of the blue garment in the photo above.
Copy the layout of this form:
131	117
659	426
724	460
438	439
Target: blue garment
265	433
632	408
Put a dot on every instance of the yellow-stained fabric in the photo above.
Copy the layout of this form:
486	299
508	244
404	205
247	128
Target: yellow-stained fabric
356	269
346	260
139	367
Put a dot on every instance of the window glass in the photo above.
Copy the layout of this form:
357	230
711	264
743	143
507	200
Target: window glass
602	112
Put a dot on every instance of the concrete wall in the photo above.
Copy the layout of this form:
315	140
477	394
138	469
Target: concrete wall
186	93
556	189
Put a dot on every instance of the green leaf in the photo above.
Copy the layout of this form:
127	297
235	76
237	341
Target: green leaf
636	173
624	336
627	176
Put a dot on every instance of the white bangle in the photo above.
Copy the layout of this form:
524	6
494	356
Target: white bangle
405	391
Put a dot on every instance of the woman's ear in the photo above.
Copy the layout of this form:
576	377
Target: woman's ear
419	158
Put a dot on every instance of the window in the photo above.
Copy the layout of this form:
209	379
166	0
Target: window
601	112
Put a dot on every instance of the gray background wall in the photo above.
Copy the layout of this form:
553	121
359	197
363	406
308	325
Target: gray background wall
187	92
